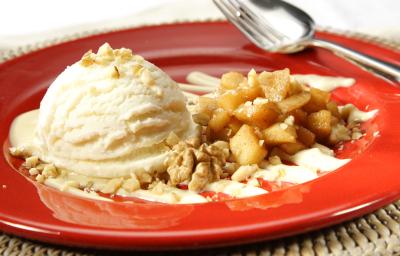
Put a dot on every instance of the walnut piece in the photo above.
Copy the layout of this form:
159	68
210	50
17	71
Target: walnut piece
131	184
200	177
112	186
31	162
50	171
196	164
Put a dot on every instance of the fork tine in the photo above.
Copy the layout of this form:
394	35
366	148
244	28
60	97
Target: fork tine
231	13
258	23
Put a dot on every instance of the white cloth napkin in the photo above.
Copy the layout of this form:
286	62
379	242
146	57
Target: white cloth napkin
25	22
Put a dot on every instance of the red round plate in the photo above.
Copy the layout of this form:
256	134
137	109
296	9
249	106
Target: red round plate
369	181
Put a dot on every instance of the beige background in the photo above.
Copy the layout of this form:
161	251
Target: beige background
24	22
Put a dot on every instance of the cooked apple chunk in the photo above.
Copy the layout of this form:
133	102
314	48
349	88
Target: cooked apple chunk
294	102
320	123
305	136
234	125
318	100
230	100
279	133
207	105
257	113
246	147
250	93
292	148
300	116
219	120
275	85
231	80
333	108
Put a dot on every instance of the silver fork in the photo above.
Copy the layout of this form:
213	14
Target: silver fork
277	26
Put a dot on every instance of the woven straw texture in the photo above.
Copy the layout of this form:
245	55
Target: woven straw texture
377	233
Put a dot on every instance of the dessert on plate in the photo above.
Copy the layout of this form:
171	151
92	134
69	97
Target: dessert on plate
113	124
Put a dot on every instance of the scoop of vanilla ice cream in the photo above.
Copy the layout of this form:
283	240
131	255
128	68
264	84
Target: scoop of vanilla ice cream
109	114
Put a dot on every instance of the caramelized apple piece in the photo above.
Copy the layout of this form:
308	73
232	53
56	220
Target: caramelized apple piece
246	147
279	133
224	134
295	87
230	100
320	123
294	102
219	120
250	93
333	108
318	100
292	148
234	125
275	85
257	113
231	80
300	116
305	136
206	105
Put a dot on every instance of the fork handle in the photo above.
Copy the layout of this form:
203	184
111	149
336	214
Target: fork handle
377	67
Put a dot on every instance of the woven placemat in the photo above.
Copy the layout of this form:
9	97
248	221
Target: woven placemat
377	233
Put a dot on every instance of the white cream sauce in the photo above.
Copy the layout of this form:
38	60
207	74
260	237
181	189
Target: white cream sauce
314	158
287	173
325	83
168	195
22	129
62	184
356	115
234	188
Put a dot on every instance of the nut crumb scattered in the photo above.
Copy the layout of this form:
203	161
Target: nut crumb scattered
33	171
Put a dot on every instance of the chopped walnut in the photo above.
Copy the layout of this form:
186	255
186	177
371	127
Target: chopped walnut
18	152
40	166
31	161
172	139
146	77
40	178
112	186
181	168
131	184
196	164
137	69
274	160
200	177
87	59
144	177
33	171
124	54
50	171
105	54
201	119
230	167
194	142
157	187
356	135
339	133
